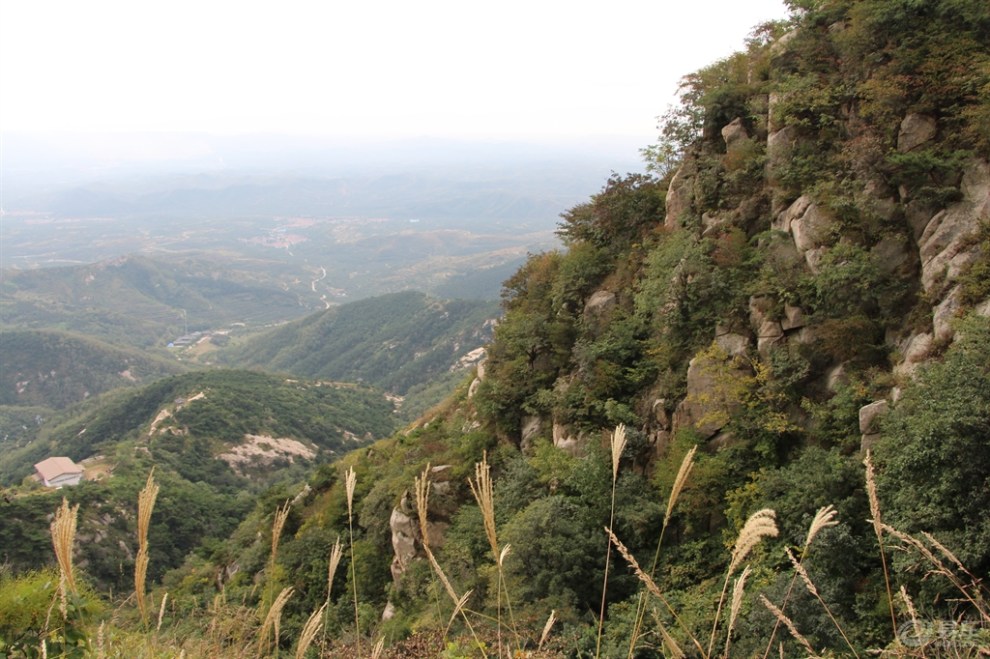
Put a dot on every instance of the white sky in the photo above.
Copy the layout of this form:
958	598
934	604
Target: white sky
512	68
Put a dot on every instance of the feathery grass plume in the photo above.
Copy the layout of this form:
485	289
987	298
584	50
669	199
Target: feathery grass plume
738	589
909	604
481	488
787	622
281	514
146	504
687	463
350	481
618	444
422	486
336	553
546	628
101	650
273	621
824	518
376	652
760	524
651	586
941	568
948	554
309	631
670	642
871	493
484	494
63	529
161	613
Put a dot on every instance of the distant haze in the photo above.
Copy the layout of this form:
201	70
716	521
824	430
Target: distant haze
515	69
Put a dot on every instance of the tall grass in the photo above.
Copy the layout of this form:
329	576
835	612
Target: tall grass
484	494
687	464
350	482
146	504
617	445
63	529
422	487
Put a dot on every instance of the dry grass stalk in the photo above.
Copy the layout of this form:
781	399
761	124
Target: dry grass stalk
682	475
146	504
484	493
506	550
278	523
459	607
738	589
941	569
760	524
273	621
824	518
618	444
161	613
309	631
787	622
871	493
336	553
650	585
909	604
350	482
547	627
376	652
670	641
481	488
687	463
810	585
422	487
63	529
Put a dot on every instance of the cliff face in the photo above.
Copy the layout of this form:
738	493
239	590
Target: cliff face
829	207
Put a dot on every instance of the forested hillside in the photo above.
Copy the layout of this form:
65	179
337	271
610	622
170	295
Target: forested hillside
404	343
744	411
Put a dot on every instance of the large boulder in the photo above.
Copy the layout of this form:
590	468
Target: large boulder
599	303
783	219
916	129
709	403
945	246
735	134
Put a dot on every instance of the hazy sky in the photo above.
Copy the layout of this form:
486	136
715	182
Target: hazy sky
452	68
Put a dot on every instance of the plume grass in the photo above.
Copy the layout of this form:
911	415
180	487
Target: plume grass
687	464
761	524
146	504
617	445
350	482
483	490
63	529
